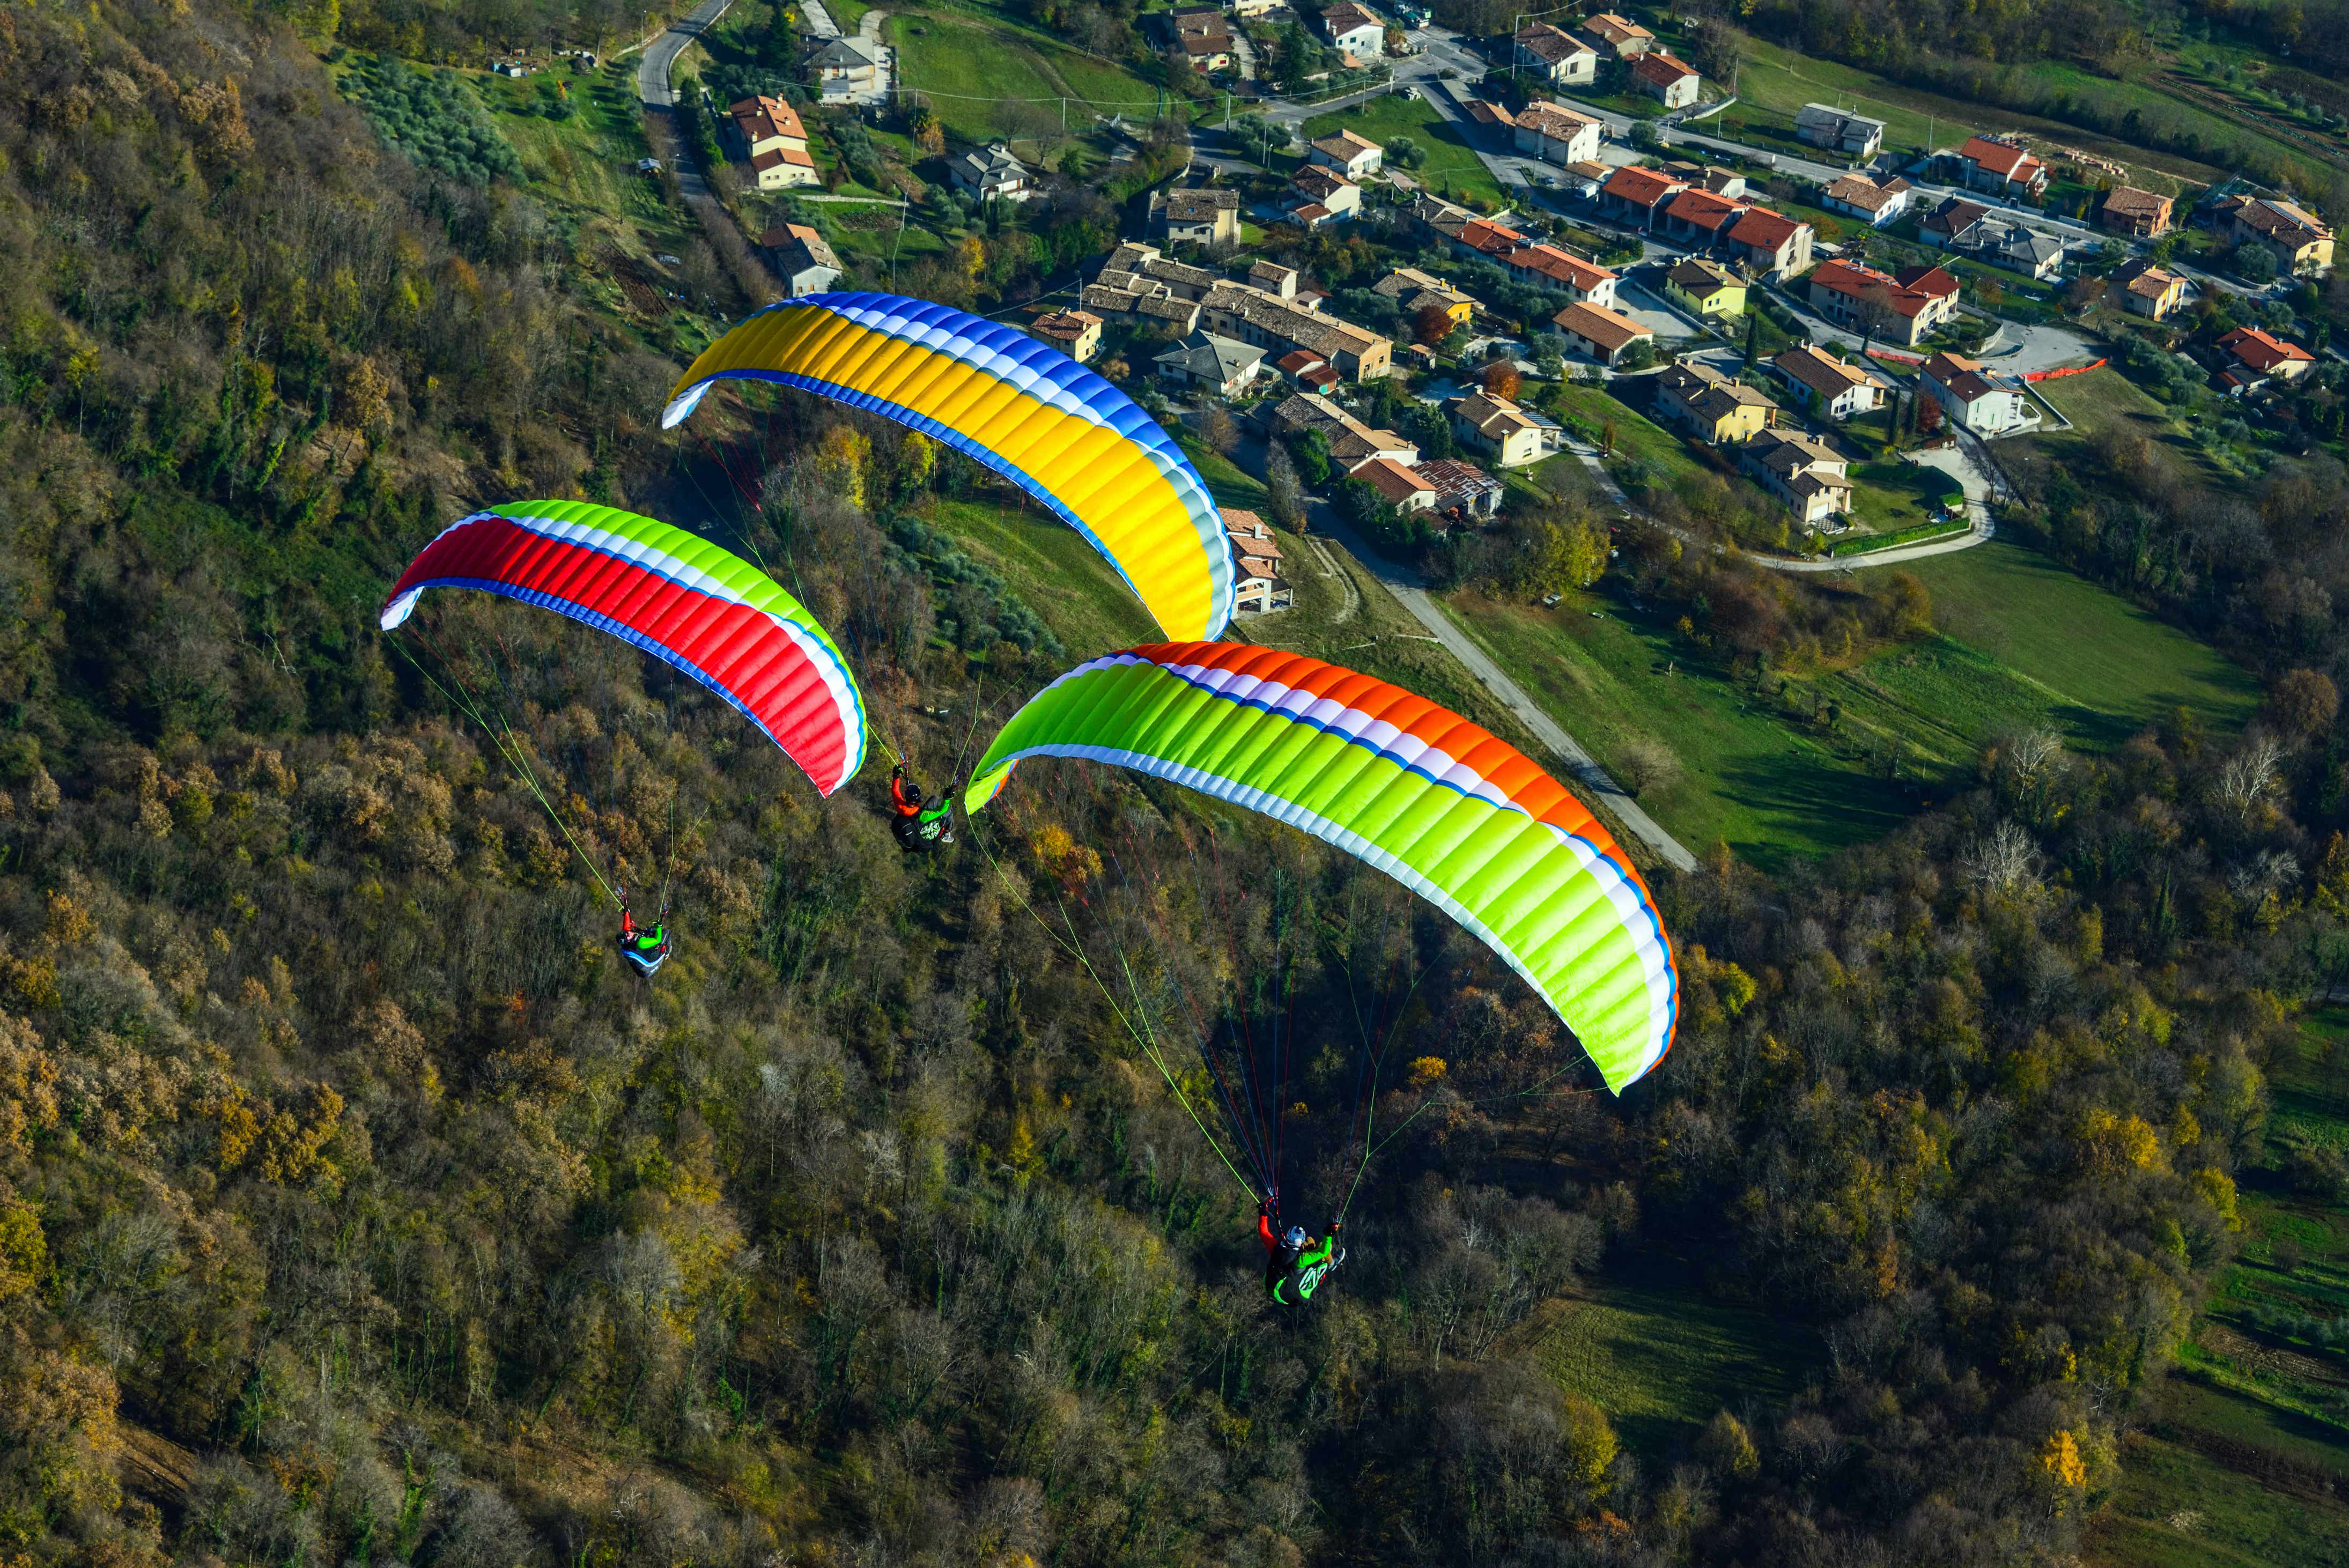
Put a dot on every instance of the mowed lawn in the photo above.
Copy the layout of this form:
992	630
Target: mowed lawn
2112	668
1887	497
1451	163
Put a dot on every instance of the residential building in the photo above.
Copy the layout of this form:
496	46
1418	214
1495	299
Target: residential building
1864	198
1618	37
1271	322
1945	222
1250	10
1350	155
1258	588
1671	81
2144	289
1354	29
1485	238
1148	265
1701	218
1714	407
1319	195
1805	473
1414	291
1879	305
2255	358
766	133
1274	279
1139	287
1705	288
2000	167
1208	215
1351	443
1400	487
1217	364
1603	333
1555	56
1584	178
802	258
990	173
2002	242
1634	195
1556	134
1308	371
1075	333
1855	136
1203	37
2302	244
1827	388
846	71
1504	430
1978	400
1771	244
1490	115
2140	214
1546	266
1463	491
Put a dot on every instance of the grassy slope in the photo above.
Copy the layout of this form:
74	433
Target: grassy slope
1770	791
1660	1358
1049	566
2029	645
1776	82
2229	1472
2104	398
977	68
2113	668
1450	162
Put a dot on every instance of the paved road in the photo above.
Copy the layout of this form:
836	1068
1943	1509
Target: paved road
1410	592
652	71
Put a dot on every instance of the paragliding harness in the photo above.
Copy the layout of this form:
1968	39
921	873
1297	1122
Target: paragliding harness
920	828
647	950
1295	1265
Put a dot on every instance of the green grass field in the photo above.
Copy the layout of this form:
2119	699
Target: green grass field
2113	668
1802	769
1660	1358
1771	790
1452	164
990	79
2105	399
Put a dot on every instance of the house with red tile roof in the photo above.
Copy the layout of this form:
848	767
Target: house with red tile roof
2000	167
1771	244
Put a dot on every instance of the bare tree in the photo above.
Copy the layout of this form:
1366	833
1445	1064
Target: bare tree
2004	859
2249	776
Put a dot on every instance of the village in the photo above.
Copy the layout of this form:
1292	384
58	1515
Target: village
1687	287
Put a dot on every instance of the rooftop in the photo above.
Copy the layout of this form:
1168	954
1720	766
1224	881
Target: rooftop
1822	372
1611	330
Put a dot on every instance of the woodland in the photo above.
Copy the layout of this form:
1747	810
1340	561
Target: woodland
356	1207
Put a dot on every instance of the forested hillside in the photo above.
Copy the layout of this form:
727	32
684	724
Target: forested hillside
356	1204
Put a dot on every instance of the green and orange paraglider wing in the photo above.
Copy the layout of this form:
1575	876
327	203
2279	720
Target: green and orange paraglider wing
1456	814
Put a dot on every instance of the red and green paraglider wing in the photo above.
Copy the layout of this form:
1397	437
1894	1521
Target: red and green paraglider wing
676	596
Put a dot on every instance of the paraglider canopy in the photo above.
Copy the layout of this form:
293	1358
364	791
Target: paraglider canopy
676	596
1453	813
1025	409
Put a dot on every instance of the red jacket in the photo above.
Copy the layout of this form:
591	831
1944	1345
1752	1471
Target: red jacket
906	805
1263	1233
